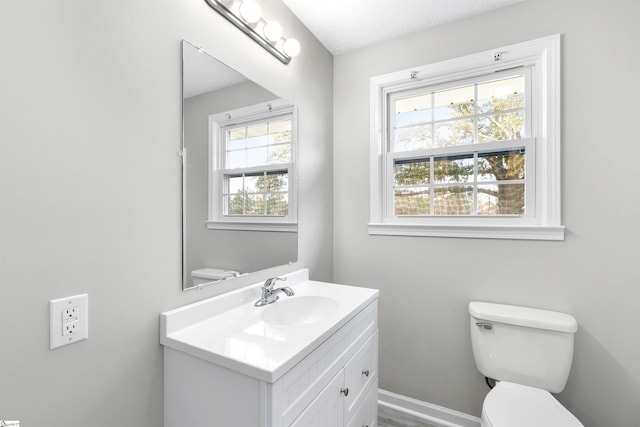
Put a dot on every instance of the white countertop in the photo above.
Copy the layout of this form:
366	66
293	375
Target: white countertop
228	329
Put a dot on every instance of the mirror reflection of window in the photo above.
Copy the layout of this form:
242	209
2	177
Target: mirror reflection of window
255	169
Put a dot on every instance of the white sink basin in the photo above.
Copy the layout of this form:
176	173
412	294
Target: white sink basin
263	342
299	310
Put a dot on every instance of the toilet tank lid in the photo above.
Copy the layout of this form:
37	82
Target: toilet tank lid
213	273
523	316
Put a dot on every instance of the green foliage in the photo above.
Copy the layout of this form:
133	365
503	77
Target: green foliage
412	173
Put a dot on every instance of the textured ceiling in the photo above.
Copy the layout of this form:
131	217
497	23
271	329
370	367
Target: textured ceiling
345	25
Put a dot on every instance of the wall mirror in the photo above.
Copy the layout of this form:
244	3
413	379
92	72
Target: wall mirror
239	148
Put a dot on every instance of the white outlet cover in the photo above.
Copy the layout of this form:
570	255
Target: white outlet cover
56	308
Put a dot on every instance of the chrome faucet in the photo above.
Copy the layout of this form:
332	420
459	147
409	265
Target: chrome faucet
269	294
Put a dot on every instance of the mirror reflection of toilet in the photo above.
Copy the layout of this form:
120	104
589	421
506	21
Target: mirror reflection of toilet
208	275
529	353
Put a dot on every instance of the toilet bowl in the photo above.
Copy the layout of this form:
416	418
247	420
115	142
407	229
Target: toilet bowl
515	405
528	352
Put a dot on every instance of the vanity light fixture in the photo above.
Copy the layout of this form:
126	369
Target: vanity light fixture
246	15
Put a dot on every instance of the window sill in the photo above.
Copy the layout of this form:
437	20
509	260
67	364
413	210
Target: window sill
528	232
284	227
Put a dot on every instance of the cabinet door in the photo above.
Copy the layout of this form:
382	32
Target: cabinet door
326	410
360	372
367	414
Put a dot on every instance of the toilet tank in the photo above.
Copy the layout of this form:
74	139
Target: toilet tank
522	345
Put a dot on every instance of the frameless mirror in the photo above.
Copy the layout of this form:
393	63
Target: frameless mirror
238	171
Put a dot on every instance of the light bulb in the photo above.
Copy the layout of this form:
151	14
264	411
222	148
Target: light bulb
272	31
291	47
250	11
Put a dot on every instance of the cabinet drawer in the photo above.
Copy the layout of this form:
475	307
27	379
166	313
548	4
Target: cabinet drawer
360	373
367	413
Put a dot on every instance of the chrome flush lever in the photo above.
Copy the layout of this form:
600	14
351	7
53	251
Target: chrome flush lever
485	325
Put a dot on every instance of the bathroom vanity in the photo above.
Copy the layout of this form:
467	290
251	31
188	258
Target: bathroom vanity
306	360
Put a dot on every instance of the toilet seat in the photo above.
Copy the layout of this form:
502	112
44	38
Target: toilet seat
515	405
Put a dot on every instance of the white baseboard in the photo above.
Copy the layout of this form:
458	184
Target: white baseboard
426	411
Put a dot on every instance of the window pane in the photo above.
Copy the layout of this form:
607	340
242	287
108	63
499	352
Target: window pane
412	110
501	127
277	181
235	184
280	132
277	204
504	199
236	159
238	133
501	166
236	144
414	201
411	172
457	132
257	141
254	183
453	168
254	204
279	154
256	156
413	138
501	95
258	130
457	102
453	201
235	204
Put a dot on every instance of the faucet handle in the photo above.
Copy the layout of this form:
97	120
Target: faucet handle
272	280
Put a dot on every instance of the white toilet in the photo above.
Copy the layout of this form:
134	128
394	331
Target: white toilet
529	353
208	275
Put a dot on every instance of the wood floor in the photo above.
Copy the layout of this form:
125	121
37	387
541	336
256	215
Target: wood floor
390	418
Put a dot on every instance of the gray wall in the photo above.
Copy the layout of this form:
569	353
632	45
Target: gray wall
90	191
243	251
426	283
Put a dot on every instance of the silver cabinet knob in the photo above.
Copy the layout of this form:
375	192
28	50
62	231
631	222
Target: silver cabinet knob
344	391
365	372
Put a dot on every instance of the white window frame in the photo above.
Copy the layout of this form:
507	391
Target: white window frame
542	220
217	124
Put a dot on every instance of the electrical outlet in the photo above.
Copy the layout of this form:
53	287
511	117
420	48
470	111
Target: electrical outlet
68	320
69	328
70	314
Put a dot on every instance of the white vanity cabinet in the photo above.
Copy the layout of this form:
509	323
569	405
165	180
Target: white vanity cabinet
330	385
332	382
350	398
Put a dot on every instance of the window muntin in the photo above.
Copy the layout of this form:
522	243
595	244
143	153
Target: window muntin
438	149
255	168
